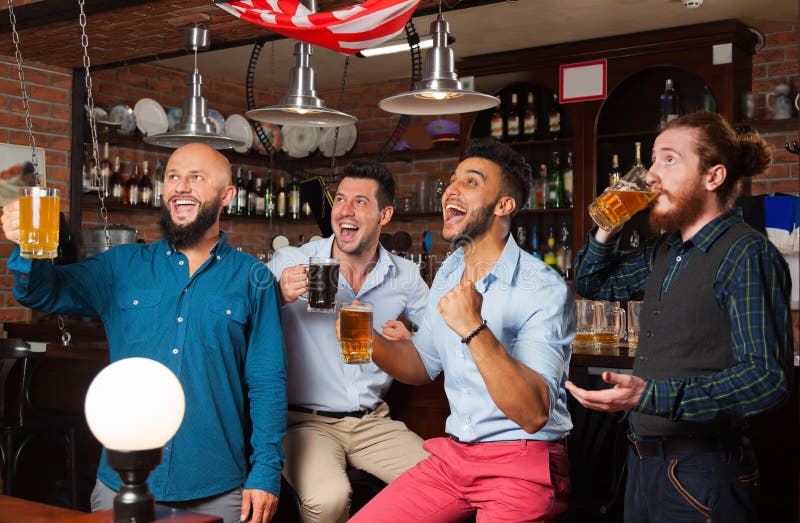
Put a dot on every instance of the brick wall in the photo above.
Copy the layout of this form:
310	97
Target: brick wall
50	89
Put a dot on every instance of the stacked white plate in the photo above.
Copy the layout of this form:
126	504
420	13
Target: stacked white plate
344	142
238	128
298	142
150	117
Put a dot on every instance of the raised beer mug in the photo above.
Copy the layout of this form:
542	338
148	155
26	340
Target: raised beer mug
355	332
619	203
323	283
38	222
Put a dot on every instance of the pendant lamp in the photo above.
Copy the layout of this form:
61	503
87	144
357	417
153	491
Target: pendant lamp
194	126
301	107
439	91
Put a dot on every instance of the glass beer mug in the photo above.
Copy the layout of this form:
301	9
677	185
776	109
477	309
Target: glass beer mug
629	195
355	332
38	222
323	283
609	325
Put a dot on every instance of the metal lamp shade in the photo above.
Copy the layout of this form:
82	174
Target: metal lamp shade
439	91
301	107
194	126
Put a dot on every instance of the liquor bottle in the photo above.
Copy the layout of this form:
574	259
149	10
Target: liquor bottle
105	172
540	188
496	124
294	199
512	120
535	252
87	171
568	181
668	105
281	200
564	253
241	193
158	183
521	238
269	201
555	118
252	194
637	159
555	187
145	186
613	176
131	195
117	182
261	207
549	256
709	102
529	119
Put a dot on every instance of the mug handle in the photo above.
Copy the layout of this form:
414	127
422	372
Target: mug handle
623	324
767	100
304	297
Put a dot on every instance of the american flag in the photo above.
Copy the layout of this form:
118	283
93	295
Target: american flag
348	30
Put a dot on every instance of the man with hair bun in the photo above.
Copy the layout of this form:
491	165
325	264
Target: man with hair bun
716	344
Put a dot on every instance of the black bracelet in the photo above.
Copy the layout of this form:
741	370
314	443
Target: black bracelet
473	333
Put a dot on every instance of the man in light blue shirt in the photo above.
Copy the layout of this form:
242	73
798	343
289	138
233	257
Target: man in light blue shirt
336	412
499	323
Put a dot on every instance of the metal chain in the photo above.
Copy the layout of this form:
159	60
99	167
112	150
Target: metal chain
25	101
341	103
92	123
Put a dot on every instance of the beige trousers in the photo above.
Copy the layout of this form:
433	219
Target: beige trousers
319	450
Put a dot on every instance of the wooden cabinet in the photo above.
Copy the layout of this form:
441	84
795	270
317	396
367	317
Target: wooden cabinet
637	66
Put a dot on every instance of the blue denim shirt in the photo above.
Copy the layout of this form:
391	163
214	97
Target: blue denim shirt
531	312
219	331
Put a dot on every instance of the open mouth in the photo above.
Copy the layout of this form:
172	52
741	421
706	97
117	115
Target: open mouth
454	213
183	206
347	231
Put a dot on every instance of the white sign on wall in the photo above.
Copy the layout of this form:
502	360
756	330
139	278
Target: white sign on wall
582	81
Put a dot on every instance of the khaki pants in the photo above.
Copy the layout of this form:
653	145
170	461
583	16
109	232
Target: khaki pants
319	450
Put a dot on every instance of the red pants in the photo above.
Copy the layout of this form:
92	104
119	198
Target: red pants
504	481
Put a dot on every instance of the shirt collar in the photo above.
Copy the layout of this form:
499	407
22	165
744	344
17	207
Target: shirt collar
220	248
705	237
325	249
503	270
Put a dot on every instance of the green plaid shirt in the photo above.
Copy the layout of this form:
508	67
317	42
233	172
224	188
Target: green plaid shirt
752	284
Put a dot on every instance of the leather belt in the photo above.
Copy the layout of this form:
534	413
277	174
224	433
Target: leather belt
327	414
651	447
562	441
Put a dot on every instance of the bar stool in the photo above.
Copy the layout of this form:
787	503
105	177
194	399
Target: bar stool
27	422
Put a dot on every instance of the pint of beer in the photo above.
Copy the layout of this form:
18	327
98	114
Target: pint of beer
619	203
355	332
323	283
38	222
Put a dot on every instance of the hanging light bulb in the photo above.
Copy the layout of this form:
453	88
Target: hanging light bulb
439	91
301	107
194	126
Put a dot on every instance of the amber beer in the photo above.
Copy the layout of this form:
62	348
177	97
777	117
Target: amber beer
614	207
355	332
583	339
38	222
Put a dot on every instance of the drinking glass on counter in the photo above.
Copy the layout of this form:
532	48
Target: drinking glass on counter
38	222
355	332
634	308
609	323
619	203
585	324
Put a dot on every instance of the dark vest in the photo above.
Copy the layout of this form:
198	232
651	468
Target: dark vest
686	333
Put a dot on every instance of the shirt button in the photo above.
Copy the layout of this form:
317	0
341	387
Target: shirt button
180	319
186	289
169	252
180	262
228	312
136	302
219	257
649	334
175	351
678	258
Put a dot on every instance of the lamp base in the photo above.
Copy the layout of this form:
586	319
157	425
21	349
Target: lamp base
134	503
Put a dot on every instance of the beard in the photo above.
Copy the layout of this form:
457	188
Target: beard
183	236
687	205
477	225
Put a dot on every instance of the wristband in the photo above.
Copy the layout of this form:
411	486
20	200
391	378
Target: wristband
474	333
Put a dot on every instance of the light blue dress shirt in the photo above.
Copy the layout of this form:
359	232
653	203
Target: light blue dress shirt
218	330
318	379
530	310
